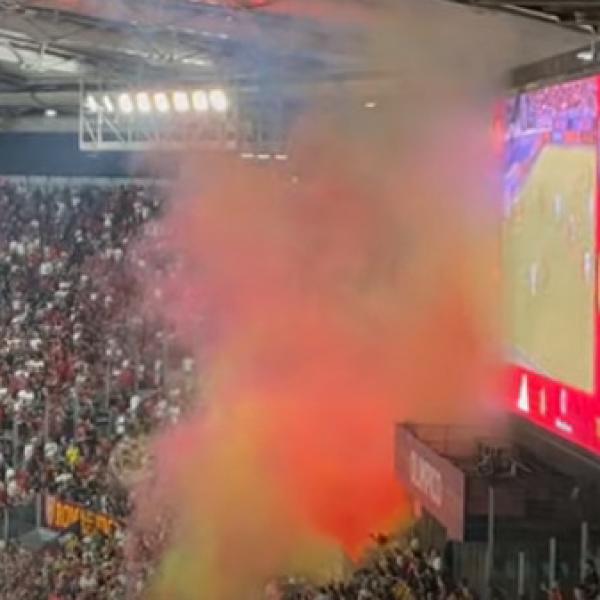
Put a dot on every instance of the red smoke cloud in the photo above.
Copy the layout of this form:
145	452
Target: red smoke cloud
338	296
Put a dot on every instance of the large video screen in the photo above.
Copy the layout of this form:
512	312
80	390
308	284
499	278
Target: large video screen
549	255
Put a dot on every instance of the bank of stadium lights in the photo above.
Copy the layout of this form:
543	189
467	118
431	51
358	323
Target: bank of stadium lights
162	102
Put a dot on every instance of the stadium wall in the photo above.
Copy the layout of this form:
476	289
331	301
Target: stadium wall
58	154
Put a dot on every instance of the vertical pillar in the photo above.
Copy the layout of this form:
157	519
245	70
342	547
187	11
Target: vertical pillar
38	510
489	558
521	576
585	536
552	562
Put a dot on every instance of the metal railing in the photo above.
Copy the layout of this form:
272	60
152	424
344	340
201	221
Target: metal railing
19	519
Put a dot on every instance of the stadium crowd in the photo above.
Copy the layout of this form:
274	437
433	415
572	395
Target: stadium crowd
404	571
79	377
567	107
390	572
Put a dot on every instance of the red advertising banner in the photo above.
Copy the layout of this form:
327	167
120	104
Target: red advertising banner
433	480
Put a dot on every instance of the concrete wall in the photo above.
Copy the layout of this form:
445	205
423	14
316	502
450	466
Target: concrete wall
58	154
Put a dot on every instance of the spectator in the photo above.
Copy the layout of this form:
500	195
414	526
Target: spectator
591	581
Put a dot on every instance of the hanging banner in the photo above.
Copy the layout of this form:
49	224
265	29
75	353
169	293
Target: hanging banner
434	481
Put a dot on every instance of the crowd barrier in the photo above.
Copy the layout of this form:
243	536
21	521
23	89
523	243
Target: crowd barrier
51	512
45	181
20	519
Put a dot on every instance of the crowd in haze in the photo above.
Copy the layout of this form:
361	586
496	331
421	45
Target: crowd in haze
405	571
80	375
85	377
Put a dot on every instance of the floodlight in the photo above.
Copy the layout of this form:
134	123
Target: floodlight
125	104
142	100
181	101
161	102
51	113
218	100
91	104
586	55
108	104
200	101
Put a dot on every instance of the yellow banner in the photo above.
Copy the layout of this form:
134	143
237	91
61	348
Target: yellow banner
63	515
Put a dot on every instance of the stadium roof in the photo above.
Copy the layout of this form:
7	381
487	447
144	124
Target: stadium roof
578	14
48	46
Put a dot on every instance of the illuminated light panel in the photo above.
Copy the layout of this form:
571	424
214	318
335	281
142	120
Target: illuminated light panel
125	104
563	402
51	113
142	100
91	104
108	104
563	408
196	61
181	102
523	401
161	102
219	101
563	426
586	55
200	101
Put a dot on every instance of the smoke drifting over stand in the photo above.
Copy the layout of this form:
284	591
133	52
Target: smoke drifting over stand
329	299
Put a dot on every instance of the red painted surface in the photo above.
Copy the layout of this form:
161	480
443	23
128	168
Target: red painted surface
432	480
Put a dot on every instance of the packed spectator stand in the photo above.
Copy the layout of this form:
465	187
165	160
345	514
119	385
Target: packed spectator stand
79	376
405	570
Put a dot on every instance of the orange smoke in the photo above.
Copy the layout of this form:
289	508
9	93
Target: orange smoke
338	296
